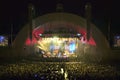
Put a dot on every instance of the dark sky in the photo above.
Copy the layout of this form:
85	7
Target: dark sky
15	12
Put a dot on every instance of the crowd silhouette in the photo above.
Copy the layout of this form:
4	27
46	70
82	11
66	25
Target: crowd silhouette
58	71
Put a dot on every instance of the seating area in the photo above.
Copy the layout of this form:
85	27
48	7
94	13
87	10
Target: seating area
58	71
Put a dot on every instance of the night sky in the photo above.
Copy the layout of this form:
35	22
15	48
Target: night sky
15	12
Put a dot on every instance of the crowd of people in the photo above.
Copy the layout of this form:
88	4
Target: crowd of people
58	71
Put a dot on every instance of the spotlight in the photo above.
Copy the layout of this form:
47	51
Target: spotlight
40	34
55	38
78	34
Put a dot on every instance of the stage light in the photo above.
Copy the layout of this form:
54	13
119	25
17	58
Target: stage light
78	34
55	38
40	34
58	47
72	47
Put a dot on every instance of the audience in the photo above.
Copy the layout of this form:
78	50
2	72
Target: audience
52	71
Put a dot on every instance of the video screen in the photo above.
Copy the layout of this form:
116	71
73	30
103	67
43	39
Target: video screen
3	40
117	41
58	47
